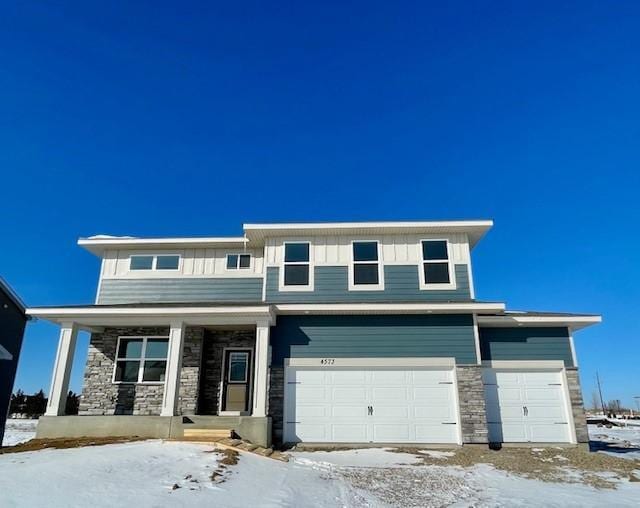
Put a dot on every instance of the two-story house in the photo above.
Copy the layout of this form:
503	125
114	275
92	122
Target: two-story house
316	333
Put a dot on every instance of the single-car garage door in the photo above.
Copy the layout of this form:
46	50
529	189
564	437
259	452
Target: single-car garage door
526	406
370	405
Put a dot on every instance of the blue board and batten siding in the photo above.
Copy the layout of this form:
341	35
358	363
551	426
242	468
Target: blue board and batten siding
246	289
533	343
401	284
435	336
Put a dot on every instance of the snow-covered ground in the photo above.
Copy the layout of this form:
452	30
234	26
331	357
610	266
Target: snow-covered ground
621	442
18	431
159	474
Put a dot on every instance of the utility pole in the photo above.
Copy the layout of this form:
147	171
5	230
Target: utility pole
600	391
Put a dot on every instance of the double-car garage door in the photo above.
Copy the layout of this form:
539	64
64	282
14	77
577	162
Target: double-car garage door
370	405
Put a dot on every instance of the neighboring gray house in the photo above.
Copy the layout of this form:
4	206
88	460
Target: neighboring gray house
323	333
12	323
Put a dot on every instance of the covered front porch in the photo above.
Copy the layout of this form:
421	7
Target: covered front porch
158	370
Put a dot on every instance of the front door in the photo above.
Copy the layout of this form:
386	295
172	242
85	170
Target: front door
237	380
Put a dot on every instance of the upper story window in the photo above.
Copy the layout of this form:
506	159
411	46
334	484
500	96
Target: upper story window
436	269
154	262
238	261
296	264
366	269
141	360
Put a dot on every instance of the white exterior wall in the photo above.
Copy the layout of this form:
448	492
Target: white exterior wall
396	249
193	263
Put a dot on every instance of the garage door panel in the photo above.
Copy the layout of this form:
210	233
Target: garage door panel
391	433
437	412
436	433
310	393
348	433
358	411
399	411
543	394
310	432
508	378
541	378
311	411
556	413
433	394
348	393
347	377
510	412
549	433
510	395
428	377
311	377
389	377
385	394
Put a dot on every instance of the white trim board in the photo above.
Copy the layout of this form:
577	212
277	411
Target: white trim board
388	308
390	362
524	364
512	320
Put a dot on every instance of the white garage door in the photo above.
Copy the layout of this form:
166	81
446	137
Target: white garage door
524	406
372	405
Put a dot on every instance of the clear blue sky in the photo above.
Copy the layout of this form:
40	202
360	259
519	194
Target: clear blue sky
189	119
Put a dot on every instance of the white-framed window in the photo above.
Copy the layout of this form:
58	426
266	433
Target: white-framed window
154	262
366	271
238	262
436	269
297	272
141	360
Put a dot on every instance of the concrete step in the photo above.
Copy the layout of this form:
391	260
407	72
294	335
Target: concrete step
207	433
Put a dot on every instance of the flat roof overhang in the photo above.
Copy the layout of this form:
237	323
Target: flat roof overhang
572	321
474	229
98	244
95	316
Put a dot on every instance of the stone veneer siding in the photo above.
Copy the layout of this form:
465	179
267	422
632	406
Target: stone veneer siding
214	343
577	405
276	402
190	374
100	396
473	413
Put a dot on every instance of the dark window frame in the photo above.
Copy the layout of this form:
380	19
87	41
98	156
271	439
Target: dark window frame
436	261
361	263
296	263
142	359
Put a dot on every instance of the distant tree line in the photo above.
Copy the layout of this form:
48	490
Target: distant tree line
34	406
613	407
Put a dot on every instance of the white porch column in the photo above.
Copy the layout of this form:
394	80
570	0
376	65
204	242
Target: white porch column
62	370
174	367
261	369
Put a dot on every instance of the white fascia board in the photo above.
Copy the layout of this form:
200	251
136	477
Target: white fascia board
364	225
573	322
4	354
98	245
388	308
95	317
